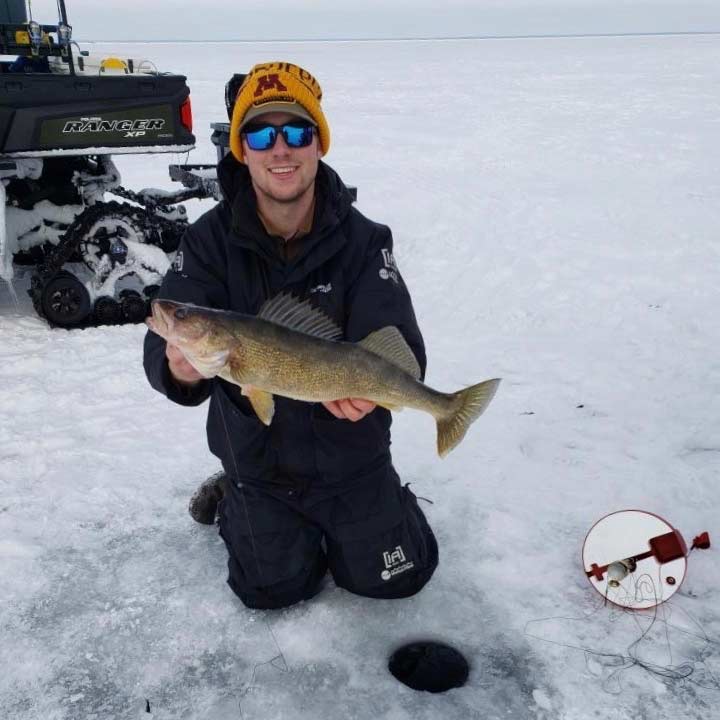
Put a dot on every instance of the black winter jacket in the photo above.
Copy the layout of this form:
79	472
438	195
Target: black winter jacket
346	267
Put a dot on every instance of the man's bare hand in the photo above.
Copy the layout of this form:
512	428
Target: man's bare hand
353	409
180	368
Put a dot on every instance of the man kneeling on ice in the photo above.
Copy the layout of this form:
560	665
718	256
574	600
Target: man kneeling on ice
315	490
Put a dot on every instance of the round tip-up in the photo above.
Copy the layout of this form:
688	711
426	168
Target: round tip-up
430	666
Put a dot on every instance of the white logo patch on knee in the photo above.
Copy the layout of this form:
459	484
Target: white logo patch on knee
395	563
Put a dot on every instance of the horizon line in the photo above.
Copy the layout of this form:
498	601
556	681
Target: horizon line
541	36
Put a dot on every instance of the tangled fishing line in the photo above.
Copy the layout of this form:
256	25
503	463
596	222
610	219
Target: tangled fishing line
620	662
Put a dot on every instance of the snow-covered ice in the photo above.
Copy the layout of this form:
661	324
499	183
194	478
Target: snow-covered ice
555	205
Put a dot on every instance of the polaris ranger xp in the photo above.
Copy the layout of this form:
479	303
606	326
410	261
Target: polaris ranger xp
63	114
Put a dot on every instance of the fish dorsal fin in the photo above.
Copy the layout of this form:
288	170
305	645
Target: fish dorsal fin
288	311
390	345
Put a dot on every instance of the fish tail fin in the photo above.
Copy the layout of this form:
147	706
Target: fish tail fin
469	406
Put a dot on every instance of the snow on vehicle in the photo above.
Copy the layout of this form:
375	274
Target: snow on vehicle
63	114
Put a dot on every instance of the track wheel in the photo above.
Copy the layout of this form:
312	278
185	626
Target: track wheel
65	301
107	311
151	291
134	308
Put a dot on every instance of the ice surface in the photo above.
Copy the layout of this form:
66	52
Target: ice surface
555	210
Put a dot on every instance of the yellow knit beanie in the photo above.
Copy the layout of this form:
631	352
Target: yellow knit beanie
278	86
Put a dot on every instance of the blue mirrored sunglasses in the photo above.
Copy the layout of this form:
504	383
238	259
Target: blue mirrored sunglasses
263	136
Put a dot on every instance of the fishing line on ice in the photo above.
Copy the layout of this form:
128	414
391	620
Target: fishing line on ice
283	667
242	494
618	662
280	657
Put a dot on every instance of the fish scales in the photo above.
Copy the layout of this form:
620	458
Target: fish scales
284	362
266	358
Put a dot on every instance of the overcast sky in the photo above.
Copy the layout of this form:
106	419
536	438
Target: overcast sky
321	19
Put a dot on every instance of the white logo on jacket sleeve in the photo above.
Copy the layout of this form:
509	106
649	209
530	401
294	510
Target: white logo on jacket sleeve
177	263
321	288
390	271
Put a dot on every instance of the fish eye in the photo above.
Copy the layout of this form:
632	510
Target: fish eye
181	313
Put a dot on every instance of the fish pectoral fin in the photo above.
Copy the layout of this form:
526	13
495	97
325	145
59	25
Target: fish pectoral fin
390	345
234	372
263	403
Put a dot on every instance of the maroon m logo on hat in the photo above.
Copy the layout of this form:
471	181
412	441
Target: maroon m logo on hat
268	82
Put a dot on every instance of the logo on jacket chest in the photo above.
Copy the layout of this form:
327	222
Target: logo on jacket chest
321	288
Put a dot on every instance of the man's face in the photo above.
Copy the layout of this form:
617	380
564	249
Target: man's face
282	173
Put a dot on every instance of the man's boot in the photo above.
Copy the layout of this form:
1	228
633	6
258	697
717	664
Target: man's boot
204	502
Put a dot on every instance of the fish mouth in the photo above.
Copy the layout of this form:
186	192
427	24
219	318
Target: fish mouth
180	324
162	320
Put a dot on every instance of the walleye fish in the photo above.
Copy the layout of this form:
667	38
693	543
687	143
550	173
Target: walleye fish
295	350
